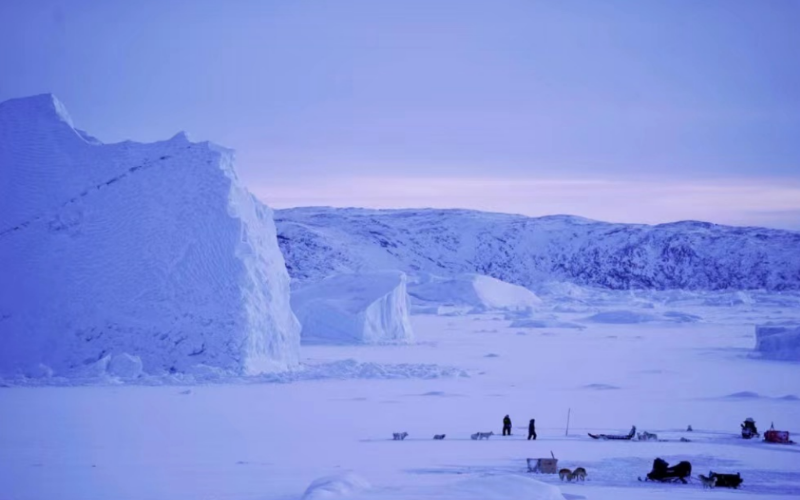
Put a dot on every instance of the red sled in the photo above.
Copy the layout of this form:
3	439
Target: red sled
781	437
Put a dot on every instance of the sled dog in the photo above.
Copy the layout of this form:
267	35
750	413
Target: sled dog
485	435
708	482
566	474
399	436
579	474
439	437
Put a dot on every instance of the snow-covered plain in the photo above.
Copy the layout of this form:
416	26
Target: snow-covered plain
331	437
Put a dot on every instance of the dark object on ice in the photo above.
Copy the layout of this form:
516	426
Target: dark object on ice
749	429
532	430
780	437
506	425
726	480
621	437
689	429
543	465
439	437
662	472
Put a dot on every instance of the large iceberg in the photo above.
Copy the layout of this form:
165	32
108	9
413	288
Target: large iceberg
369	308
116	255
778	341
471	293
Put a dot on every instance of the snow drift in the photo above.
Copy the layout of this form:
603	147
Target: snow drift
338	486
778	341
132	257
368	308
527	251
482	487
472	293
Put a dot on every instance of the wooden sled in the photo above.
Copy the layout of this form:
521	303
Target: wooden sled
615	437
543	465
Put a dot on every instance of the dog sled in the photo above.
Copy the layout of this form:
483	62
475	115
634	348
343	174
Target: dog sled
726	480
543	465
617	437
663	473
778	437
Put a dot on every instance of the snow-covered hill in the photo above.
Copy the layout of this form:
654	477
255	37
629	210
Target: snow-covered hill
529	251
129	256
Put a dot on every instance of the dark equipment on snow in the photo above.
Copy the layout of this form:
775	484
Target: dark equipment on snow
662	472
726	480
543	465
749	429
626	437
780	437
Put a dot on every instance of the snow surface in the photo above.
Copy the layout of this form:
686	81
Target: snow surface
369	308
621	317
543	323
270	441
152	251
471	293
476	488
526	251
338	486
778	341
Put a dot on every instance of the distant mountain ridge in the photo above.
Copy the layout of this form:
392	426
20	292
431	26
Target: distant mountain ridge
692	255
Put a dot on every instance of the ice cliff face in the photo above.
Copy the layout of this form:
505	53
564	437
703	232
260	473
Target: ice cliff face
528	251
113	252
370	308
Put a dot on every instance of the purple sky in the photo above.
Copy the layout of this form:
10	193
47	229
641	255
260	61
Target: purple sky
634	111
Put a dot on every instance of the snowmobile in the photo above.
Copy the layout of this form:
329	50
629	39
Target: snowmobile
620	437
663	473
749	430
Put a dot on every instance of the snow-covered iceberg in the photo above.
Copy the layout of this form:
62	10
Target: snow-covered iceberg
778	341
116	254
471	293
370	308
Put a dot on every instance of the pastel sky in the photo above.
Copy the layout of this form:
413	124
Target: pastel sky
633	111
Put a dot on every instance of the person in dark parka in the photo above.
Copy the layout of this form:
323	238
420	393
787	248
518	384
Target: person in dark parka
532	430
506	426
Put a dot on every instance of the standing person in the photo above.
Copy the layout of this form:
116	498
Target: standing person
532	430
506	426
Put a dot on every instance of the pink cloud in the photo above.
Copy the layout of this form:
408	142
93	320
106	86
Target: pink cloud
767	202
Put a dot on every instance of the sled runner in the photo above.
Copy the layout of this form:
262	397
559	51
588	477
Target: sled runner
663	473
621	437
